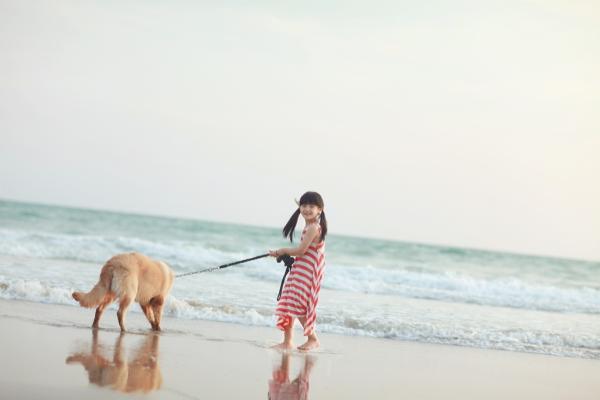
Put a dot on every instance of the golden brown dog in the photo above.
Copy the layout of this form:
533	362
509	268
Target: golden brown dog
129	277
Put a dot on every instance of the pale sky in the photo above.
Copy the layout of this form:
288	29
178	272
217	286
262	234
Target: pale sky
466	123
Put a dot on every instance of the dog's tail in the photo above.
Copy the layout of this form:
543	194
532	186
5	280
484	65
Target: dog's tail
98	293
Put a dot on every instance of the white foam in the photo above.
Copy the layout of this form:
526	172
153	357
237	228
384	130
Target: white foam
502	292
449	286
34	290
183	255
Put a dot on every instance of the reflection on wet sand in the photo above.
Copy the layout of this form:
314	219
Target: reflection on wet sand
141	374
280	386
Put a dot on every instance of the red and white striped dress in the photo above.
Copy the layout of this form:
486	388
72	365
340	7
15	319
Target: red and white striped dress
300	293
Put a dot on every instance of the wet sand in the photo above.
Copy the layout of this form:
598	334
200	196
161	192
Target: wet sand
49	351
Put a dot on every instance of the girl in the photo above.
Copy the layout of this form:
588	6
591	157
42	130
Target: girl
300	294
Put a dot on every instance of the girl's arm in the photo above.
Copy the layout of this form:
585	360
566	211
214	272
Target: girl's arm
309	236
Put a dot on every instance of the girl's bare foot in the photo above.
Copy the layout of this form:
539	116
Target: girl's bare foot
283	346
311	344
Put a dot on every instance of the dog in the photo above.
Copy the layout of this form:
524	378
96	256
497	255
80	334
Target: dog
129	277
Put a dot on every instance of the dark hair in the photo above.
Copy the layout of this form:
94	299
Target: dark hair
307	198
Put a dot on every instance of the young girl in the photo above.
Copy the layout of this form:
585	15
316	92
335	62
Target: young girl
300	293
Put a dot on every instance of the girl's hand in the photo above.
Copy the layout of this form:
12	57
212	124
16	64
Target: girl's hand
274	253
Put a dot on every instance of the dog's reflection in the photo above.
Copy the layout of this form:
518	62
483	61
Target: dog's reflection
141	374
280	386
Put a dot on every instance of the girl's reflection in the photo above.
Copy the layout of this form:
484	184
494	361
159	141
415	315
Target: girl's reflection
280	386
141	374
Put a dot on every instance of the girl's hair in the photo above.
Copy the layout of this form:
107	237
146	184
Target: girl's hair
307	198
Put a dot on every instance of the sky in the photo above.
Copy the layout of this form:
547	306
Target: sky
464	123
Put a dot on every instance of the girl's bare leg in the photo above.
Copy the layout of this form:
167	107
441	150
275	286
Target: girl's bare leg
312	341
288	334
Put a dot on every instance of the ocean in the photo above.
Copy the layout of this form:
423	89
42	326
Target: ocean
375	288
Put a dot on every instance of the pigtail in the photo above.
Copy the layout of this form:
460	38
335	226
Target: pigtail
288	229
323	223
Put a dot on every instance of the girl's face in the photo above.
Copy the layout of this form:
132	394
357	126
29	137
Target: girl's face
310	212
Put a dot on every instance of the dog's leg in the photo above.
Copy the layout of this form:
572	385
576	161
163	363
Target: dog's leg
157	304
99	312
123	304
147	309
105	301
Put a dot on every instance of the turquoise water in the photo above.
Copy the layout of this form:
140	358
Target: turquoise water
379	288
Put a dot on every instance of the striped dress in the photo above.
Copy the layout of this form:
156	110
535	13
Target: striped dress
300	293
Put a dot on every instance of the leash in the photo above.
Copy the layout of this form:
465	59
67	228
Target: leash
223	266
288	261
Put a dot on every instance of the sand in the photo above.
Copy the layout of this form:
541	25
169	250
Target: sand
49	351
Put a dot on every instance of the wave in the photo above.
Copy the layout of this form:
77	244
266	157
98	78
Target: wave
34	290
186	256
514	339
181	255
565	343
453	287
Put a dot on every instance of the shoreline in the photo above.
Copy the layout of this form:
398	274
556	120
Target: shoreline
51	352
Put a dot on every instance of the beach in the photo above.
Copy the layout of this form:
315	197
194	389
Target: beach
50	351
453	148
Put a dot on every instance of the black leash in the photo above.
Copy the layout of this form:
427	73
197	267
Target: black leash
288	261
223	266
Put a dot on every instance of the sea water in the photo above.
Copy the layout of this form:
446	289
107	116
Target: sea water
375	288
